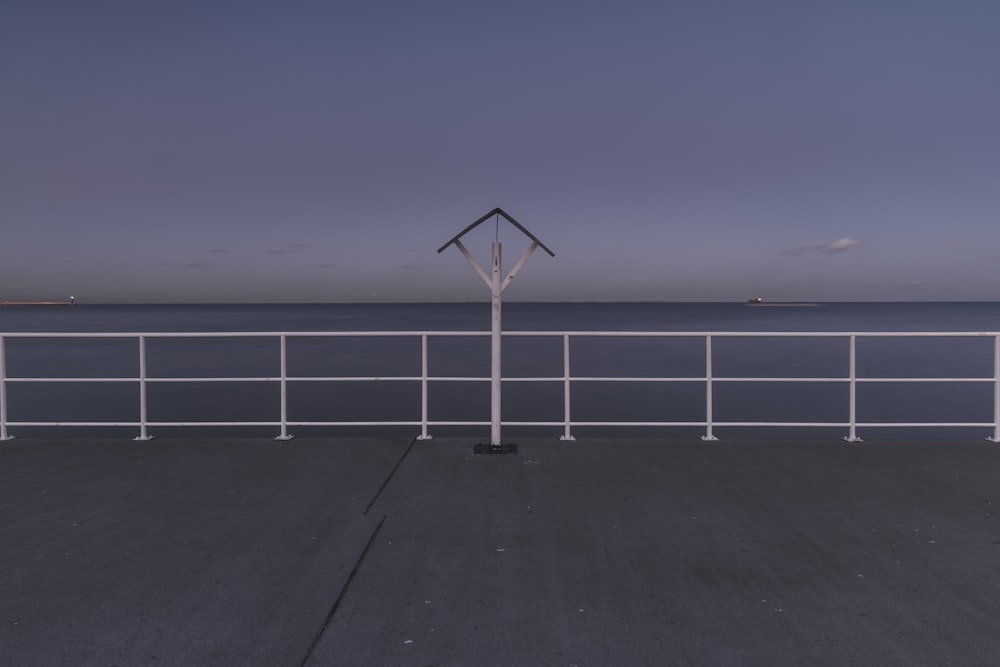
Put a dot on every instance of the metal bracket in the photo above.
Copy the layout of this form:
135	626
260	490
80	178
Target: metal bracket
508	448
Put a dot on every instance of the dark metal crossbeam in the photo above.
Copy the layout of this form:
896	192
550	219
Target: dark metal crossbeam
508	218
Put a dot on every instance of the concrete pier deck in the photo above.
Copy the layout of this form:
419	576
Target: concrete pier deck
596	552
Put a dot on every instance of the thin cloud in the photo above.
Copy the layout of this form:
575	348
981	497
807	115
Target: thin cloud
840	245
831	248
194	265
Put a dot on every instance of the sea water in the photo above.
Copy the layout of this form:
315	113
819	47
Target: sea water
523	357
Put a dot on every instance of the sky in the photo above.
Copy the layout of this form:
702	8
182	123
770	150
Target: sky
665	150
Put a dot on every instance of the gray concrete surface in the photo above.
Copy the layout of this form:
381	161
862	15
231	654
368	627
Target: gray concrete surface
178	552
596	552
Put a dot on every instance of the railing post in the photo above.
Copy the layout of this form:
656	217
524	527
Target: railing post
423	389
567	435
996	390
853	408
709	435
143	434
3	391
283	346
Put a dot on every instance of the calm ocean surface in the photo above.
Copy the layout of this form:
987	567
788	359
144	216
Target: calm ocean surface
522	357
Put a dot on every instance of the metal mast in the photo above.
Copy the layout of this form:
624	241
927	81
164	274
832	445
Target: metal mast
497	285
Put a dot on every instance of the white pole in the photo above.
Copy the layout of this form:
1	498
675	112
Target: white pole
709	434
996	390
853	395
143	434
566	402
495	286
423	389
3	391
283	351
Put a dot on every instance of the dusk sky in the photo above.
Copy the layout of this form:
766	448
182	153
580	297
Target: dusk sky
665	150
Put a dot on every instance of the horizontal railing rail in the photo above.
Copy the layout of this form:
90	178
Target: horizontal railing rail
567	379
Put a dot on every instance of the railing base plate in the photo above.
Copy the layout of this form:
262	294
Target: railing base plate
142	438
508	448
848	439
284	438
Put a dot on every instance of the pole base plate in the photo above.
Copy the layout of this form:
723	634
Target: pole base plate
507	448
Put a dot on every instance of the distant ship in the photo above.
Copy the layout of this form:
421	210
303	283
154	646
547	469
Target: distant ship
759	301
71	302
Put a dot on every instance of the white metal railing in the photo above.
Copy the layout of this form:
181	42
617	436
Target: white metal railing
567	379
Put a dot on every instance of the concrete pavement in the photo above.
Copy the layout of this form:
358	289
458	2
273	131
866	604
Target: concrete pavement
595	552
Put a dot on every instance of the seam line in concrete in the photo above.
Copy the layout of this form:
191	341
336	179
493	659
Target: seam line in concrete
340	596
391	473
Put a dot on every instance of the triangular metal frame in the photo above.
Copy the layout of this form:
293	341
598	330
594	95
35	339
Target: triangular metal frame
497	211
